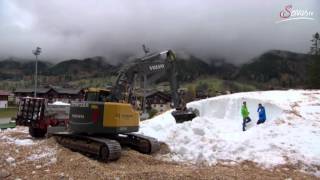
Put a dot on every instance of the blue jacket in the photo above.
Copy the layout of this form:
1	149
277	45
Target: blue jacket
262	113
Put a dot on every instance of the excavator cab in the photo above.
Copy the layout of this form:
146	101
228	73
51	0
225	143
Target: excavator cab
97	94
98	115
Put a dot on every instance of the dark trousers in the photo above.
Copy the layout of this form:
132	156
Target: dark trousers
245	121
260	121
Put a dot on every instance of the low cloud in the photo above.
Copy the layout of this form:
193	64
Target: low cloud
234	30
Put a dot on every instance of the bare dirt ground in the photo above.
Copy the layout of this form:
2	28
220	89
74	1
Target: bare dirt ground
22	157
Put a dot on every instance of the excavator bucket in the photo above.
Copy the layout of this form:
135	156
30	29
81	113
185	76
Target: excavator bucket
184	115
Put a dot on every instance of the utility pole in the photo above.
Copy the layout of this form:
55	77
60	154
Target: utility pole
144	93
146	51
36	52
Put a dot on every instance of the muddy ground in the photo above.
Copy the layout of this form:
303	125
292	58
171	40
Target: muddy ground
22	157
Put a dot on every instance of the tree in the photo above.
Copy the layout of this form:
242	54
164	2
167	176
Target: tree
191	90
314	66
314	72
190	94
202	90
152	112
202	86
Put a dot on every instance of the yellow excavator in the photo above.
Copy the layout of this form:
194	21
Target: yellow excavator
106	119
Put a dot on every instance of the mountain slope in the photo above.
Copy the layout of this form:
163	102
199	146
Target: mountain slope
194	67
16	70
13	69
282	68
274	68
89	67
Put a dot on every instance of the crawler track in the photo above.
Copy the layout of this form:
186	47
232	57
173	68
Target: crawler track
141	143
107	148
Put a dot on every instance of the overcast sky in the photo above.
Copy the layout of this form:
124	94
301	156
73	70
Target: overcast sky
233	29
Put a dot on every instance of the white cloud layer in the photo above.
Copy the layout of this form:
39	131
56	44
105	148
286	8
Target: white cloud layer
236	30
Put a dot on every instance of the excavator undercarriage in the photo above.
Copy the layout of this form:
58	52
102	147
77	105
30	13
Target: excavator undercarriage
107	148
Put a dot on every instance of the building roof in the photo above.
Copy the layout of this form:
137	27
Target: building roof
31	90
151	93
4	93
46	90
161	94
67	91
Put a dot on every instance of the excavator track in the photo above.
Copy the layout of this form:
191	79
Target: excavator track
105	149
141	143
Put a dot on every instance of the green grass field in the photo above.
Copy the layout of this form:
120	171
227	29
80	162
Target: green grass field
7	125
8	112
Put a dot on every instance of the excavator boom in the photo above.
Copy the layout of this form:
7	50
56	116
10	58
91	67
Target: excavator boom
151	68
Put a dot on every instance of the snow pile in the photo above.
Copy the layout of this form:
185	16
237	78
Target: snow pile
43	153
8	135
18	129
23	142
60	103
291	133
19	142
10	160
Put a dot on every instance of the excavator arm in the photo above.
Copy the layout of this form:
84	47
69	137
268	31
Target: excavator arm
151	68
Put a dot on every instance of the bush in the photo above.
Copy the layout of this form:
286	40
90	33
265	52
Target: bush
202	86
152	113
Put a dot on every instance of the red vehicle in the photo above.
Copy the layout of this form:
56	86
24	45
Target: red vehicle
38	115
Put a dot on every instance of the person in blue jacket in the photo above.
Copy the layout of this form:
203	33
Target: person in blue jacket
262	114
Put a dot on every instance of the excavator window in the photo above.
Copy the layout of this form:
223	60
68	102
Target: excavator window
91	96
100	96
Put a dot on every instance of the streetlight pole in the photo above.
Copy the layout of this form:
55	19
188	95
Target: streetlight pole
146	51
36	52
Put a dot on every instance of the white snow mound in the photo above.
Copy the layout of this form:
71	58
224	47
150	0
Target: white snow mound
291	133
19	142
60	103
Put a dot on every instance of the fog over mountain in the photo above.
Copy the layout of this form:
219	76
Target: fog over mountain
232	29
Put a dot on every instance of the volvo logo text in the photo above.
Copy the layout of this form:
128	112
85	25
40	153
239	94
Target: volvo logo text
156	67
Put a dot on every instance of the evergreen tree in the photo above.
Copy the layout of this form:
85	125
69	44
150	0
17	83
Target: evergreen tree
314	67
